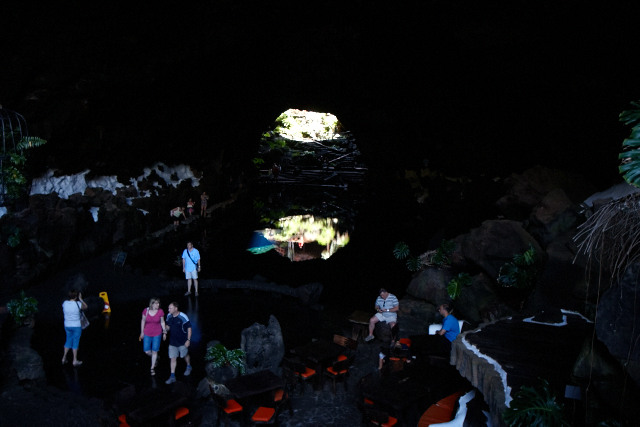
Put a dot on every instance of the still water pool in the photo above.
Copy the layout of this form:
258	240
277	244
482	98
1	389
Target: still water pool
113	356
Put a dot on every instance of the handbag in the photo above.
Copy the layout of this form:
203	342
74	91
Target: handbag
84	322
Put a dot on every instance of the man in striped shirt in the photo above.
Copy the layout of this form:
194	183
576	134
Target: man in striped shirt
387	306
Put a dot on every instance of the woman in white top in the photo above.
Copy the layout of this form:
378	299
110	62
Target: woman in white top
72	310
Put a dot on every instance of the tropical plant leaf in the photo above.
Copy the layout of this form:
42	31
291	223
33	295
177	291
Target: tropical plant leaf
414	264
442	255
455	285
630	168
220	356
22	307
30	142
401	250
534	407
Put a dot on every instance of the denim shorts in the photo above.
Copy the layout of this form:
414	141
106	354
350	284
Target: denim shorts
151	343
73	337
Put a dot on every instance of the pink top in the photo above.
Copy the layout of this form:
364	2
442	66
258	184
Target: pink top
152	326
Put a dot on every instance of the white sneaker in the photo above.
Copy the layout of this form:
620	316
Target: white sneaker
187	372
369	338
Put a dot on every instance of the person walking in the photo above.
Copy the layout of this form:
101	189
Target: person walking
72	310
152	330
175	214
204	200
179	328
191	267
190	205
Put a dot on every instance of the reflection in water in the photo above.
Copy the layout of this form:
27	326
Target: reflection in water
72	380
301	237
191	311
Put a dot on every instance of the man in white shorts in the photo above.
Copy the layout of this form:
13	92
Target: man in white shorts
387	306
191	266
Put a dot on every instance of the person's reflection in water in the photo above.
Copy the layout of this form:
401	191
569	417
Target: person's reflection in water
192	312
154	383
73	381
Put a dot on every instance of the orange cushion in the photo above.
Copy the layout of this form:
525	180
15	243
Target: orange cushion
334	372
278	395
307	373
232	406
392	421
263	414
181	412
368	401
342	357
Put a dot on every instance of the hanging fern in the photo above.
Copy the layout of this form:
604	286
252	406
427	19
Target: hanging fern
534	407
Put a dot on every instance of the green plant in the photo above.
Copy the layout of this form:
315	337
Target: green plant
455	285
12	235
535	407
521	273
14	171
630	156
220	356
401	251
23	307
442	255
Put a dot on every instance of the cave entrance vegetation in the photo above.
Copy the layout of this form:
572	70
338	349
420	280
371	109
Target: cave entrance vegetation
13	127
310	176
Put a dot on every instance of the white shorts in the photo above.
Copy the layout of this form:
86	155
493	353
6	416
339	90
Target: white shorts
191	274
387	317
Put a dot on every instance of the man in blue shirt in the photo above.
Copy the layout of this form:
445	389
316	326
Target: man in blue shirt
191	266
440	343
179	328
450	326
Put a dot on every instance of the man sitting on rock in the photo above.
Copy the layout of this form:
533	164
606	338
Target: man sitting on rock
387	306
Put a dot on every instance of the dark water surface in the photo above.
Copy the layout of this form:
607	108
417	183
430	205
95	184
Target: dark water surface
113	356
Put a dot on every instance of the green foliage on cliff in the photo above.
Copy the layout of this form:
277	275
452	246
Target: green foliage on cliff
455	285
14	170
521	273
630	156
442	256
535	407
22	307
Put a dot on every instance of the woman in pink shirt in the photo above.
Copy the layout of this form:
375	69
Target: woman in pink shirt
152	330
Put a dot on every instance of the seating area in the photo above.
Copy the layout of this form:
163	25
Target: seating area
338	372
310	374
